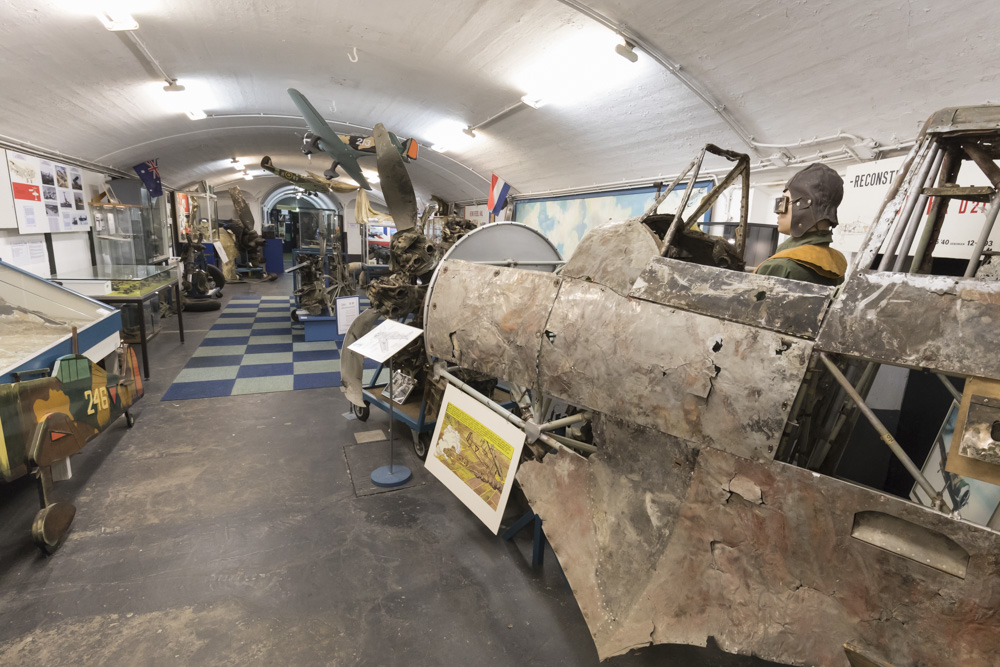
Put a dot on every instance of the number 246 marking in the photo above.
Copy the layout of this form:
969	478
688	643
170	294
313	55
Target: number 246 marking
96	401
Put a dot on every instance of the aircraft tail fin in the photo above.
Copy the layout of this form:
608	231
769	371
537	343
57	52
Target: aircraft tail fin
130	375
411	147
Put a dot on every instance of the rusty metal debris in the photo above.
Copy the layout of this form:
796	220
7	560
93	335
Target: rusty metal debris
723	401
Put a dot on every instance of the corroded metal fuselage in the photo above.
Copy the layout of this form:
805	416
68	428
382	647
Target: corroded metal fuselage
691	521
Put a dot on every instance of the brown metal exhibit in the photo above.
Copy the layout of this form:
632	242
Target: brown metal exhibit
713	382
665	544
721	404
941	323
769	302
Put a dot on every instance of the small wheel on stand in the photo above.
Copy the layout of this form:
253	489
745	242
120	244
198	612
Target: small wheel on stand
362	413
421	443
129	419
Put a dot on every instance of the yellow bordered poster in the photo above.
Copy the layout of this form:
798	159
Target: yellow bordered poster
474	452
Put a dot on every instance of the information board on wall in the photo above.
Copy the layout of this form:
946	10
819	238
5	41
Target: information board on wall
478	214
48	196
865	187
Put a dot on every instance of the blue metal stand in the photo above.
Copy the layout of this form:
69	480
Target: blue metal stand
390	475
538	543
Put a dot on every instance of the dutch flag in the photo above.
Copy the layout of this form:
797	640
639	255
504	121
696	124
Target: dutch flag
498	194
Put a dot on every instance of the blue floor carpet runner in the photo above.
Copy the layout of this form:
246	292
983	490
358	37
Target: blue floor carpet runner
255	348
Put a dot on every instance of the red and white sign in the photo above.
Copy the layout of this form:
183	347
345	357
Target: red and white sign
27	192
865	187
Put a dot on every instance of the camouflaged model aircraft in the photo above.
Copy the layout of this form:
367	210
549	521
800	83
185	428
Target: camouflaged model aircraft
310	182
344	149
44	421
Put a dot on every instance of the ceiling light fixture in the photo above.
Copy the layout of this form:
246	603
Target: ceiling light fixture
534	101
248	177
196	114
627	51
470	132
116	19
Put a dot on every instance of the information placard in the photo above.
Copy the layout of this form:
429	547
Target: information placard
474	452
348	308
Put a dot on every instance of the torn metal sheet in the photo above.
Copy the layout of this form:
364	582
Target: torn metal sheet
663	544
979	435
489	319
351	363
614	254
937	322
716	383
779	304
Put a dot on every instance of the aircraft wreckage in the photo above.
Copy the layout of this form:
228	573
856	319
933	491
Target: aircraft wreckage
720	402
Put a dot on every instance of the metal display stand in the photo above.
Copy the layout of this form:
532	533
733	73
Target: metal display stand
391	475
381	344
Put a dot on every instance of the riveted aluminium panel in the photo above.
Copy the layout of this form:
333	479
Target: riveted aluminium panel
489	318
716	383
941	323
779	304
663	543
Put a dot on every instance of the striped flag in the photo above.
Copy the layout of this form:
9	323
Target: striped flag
498	194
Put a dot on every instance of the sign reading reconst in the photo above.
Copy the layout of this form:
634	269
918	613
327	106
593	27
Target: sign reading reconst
48	196
865	187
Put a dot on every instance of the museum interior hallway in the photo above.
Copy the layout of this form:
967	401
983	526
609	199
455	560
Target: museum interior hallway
245	530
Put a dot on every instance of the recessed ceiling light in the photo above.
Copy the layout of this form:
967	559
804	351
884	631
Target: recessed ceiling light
196	114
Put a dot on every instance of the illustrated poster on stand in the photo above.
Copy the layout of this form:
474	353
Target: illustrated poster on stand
48	196
474	452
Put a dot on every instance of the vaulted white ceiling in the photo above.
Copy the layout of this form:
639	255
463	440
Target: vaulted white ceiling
779	71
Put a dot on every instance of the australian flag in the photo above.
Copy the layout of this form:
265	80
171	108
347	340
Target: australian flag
150	175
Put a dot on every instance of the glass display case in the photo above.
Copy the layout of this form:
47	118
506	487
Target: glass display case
37	319
135	289
126	235
318	223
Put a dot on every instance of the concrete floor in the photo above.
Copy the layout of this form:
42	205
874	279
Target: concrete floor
229	531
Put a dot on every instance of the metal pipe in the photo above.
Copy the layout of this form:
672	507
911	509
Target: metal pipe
497	408
666	63
911	203
565	421
950	387
887	438
949	172
576	444
516	262
678	220
670	188
918	214
815	141
870	247
984	236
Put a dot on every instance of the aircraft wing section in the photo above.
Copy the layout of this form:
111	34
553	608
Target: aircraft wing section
329	141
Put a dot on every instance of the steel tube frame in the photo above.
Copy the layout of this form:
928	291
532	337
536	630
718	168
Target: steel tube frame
497	408
911	203
984	236
918	214
887	438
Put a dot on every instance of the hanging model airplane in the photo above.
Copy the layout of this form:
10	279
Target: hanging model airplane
309	182
344	149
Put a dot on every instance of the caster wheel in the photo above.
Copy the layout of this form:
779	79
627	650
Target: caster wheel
362	413
129	420
421	444
51	526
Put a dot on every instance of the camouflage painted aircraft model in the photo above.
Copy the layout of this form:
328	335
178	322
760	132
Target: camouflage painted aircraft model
310	182
345	150
46	420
